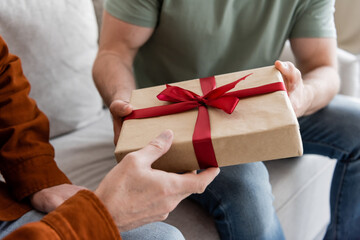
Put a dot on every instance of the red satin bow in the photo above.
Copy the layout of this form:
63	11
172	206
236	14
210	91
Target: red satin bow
185	100
213	97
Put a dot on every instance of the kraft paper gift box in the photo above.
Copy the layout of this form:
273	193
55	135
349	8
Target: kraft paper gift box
262	127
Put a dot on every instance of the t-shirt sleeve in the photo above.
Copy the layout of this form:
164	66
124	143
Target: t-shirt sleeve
138	12
316	19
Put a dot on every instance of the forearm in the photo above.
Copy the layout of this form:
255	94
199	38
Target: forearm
113	70
321	85
316	81
113	77
81	217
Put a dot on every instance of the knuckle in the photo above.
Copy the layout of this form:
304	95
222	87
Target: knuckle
157	145
163	217
165	191
170	206
131	156
118	109
131	159
291	63
202	189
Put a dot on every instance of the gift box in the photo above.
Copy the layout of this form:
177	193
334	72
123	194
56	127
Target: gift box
223	120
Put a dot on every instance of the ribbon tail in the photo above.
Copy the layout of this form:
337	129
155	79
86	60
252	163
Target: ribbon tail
162	110
249	92
217	92
202	143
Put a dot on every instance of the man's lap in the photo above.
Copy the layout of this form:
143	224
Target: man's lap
333	131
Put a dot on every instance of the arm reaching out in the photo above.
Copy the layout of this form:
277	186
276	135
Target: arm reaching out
113	68
133	193
136	194
315	81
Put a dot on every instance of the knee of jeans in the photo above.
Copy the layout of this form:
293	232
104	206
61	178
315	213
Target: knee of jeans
170	232
242	181
253	218
153	231
244	202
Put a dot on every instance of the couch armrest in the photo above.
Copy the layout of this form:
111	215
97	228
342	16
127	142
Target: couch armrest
349	70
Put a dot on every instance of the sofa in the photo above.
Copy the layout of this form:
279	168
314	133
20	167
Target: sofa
57	42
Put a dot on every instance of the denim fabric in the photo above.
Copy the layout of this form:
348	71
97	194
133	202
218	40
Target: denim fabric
240	198
335	132
10	226
152	231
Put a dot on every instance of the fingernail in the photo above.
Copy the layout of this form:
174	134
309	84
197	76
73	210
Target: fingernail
284	65
166	135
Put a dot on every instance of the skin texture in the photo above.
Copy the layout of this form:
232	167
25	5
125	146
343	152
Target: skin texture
46	200
135	194
311	84
314	81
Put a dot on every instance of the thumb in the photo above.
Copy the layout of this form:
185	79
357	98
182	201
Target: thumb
156	148
120	109
284	69
197	183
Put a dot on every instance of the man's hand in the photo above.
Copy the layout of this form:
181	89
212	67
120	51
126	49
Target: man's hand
119	109
313	83
46	200
299	94
135	194
113	67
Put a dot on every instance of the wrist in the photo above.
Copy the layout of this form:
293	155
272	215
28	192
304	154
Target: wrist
309	96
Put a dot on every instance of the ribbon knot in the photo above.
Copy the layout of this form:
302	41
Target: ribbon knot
184	100
214	97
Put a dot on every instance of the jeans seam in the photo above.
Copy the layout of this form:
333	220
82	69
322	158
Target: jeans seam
338	202
335	147
223	211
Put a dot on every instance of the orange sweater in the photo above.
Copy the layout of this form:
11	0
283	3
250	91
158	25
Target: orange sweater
27	165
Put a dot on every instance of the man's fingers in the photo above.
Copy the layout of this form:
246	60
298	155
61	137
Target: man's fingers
197	183
119	109
157	147
290	74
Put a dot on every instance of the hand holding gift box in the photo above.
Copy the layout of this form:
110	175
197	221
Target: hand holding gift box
212	127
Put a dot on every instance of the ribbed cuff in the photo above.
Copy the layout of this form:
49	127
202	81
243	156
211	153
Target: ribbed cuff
33	175
82	217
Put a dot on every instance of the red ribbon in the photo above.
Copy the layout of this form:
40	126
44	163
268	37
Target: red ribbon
184	100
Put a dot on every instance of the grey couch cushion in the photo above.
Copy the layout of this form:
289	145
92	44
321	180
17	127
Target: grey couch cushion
57	43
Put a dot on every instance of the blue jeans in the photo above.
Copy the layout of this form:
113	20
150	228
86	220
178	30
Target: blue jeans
152	231
240	198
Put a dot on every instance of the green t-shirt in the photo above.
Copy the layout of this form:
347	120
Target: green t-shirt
200	38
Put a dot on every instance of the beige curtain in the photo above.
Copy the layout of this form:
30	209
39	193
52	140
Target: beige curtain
347	20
